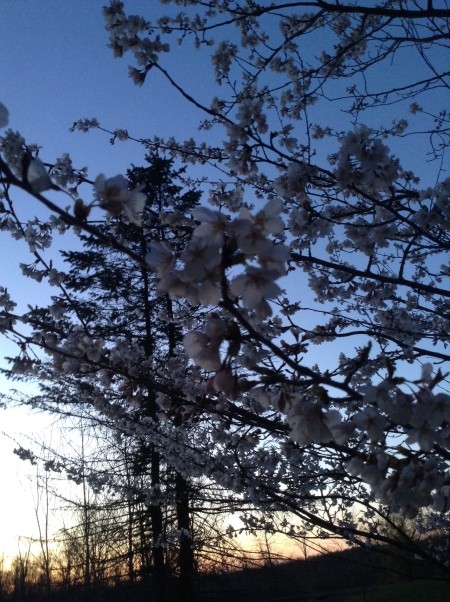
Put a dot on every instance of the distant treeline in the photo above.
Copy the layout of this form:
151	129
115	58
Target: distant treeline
335	577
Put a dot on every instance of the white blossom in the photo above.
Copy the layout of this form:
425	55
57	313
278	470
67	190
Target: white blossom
212	226
307	422
371	421
159	258
203	349
255	287
37	176
114	196
363	161
12	147
63	171
201	257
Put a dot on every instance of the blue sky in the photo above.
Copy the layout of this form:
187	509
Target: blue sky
55	68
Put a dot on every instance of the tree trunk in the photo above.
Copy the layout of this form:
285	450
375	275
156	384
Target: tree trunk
156	514
186	550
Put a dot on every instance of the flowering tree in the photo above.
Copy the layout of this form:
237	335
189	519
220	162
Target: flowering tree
112	313
318	368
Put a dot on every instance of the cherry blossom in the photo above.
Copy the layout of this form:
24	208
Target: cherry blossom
203	349
37	176
311	285
255	287
114	196
159	258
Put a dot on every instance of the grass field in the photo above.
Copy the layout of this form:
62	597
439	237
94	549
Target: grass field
415	591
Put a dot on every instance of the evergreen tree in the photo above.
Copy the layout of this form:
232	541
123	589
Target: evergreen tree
116	303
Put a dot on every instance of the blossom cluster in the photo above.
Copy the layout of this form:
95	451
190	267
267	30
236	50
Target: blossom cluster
111	194
398	476
37	234
220	244
364	162
114	195
359	248
127	34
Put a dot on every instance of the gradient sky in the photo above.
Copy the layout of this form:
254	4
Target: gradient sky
55	68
